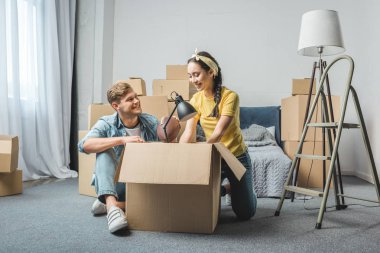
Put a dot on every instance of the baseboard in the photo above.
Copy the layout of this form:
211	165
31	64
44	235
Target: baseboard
362	175
348	173
365	176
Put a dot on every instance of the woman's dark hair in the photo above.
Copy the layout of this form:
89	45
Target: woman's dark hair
217	80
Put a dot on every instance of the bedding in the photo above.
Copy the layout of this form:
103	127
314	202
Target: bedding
269	163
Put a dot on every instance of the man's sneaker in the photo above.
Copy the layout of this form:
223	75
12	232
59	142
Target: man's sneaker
228	199
116	219
98	208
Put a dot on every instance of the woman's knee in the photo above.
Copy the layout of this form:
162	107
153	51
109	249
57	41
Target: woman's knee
246	212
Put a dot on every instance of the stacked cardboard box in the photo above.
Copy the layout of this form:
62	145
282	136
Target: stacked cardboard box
176	80
138	85
10	175
302	87
176	72
86	167
293	111
155	105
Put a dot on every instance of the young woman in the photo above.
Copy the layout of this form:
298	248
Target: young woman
218	113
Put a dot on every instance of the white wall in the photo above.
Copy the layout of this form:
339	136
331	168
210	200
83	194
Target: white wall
255	43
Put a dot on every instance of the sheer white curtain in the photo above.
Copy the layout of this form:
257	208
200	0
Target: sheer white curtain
36	66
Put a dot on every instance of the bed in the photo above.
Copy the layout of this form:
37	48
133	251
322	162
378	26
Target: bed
261	133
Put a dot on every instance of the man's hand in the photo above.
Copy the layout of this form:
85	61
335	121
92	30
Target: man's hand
97	145
127	139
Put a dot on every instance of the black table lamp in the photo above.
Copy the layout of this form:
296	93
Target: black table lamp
184	109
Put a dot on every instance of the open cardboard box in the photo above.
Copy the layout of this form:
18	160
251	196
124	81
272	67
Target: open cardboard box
174	187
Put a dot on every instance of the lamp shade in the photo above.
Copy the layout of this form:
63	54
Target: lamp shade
185	110
320	34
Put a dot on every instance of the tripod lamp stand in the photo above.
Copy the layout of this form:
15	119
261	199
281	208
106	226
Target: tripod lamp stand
320	35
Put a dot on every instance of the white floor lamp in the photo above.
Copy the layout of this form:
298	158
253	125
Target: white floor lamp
320	35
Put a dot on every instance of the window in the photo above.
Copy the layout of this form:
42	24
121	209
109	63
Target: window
22	62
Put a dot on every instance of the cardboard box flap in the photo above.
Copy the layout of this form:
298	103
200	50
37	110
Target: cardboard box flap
237	168
166	163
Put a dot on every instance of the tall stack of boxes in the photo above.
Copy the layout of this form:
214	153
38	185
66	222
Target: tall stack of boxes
176	80
10	175
293	110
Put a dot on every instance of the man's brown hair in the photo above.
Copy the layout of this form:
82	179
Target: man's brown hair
117	91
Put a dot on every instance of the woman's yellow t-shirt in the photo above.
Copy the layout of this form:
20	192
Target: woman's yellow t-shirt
228	106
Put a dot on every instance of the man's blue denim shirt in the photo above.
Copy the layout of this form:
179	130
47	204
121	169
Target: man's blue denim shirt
112	126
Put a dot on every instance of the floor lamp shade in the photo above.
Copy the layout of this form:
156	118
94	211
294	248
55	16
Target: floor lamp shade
320	34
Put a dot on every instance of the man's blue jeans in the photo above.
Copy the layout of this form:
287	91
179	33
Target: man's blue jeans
105	168
243	198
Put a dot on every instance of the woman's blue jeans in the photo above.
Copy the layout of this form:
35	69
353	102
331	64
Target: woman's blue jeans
104	178
243	198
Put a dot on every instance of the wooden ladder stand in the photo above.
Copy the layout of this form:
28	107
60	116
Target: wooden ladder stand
333	146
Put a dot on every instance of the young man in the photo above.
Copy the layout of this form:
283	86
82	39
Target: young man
107	139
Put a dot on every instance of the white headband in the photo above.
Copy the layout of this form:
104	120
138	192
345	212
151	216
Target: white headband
207	61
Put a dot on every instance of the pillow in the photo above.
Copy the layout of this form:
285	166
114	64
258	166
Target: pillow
272	130
257	133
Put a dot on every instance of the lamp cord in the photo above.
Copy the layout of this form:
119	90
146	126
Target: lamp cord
334	206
